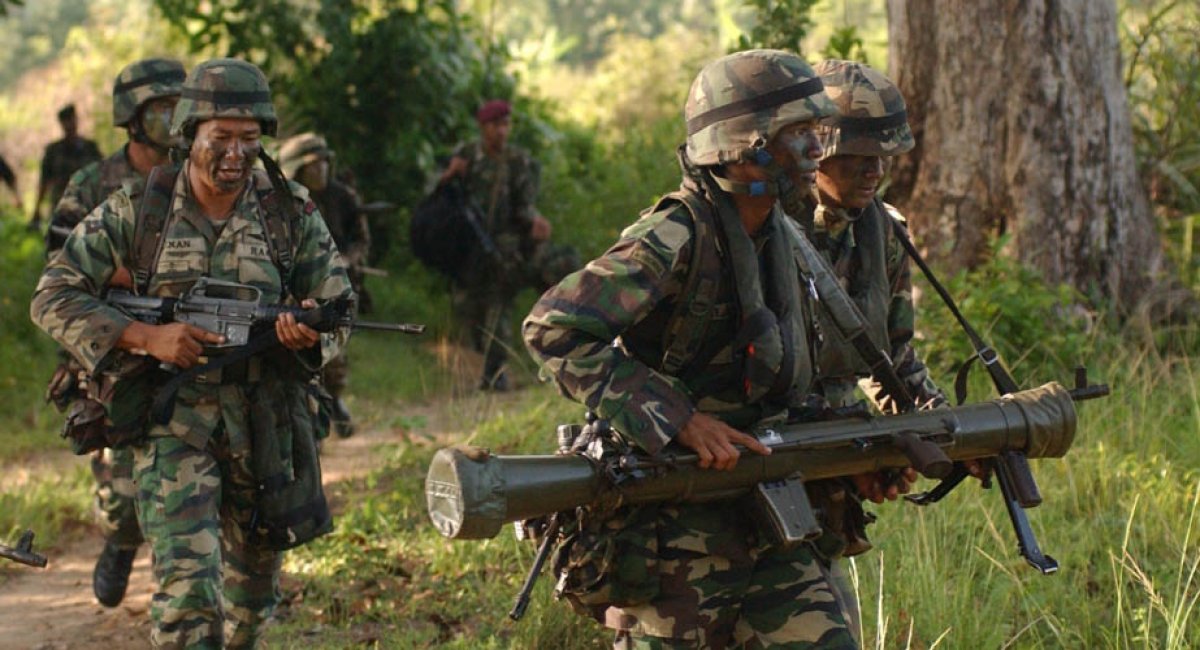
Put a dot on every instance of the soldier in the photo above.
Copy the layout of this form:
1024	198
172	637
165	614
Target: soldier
10	179
306	158
712	337
200	489
502	180
853	228
144	98
62	158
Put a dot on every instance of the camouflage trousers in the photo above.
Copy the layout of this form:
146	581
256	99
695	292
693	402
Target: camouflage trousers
483	316
216	588
719	587
335	374
116	495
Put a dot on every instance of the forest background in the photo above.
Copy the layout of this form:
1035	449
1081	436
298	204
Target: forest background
599	87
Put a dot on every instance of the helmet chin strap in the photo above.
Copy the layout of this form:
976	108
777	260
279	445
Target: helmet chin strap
776	184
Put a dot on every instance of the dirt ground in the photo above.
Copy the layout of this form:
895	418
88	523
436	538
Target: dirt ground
54	609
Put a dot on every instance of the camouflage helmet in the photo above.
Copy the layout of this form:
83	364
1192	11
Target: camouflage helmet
224	88
871	117
300	150
141	82
740	101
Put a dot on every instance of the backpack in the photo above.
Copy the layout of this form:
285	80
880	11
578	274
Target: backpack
446	231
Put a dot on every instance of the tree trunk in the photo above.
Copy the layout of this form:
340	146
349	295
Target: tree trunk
1022	126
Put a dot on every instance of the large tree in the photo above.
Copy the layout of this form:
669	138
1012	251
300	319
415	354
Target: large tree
1022	126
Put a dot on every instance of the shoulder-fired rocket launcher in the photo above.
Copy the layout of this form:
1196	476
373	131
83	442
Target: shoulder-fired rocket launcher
472	493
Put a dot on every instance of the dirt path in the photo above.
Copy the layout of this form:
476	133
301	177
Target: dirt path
53	608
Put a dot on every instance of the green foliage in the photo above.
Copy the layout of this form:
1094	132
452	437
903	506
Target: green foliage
1162	77
27	355
779	24
33	33
846	44
1039	330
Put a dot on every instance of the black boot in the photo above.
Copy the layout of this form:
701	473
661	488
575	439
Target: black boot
342	424
111	575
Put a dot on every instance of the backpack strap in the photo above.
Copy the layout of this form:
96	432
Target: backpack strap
280	219
153	210
685	335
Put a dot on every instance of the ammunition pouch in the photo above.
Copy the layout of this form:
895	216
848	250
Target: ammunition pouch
290	507
609	559
106	410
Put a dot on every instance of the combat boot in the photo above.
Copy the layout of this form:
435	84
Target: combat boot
110	578
342	424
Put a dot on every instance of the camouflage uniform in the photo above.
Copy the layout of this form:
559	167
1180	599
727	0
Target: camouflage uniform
62	159
196	487
504	189
861	245
340	206
717	580
136	85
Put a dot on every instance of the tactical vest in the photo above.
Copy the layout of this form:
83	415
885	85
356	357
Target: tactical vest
868	288
772	347
153	201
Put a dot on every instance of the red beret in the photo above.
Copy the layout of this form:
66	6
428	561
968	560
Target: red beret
493	110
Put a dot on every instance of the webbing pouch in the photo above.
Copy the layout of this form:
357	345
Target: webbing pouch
290	507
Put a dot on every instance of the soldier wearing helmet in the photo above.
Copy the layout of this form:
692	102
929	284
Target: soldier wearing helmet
854	229
692	329
307	159
144	96
203	476
62	158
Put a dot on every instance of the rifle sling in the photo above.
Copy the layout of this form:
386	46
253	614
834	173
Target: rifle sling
849	320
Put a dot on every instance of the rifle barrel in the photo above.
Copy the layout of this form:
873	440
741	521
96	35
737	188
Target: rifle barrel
403	328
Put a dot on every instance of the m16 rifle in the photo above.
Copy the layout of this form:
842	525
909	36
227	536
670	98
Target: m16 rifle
471	493
237	312
233	310
23	552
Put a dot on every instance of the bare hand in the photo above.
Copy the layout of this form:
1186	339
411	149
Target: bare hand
540	229
179	344
875	487
457	166
713	441
293	335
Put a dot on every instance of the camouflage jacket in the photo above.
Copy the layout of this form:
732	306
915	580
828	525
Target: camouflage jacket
883	292
62	159
504	189
88	188
629	295
67	307
340	206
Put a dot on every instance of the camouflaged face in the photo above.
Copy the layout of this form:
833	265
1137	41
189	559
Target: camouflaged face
870	111
300	150
224	88
141	82
730	84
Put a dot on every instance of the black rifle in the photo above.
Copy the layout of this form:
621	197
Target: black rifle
23	552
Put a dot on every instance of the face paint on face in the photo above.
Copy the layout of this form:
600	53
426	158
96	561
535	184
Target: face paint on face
223	152
850	181
156	121
797	149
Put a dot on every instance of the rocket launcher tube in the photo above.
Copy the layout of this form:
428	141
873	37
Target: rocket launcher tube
471	494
